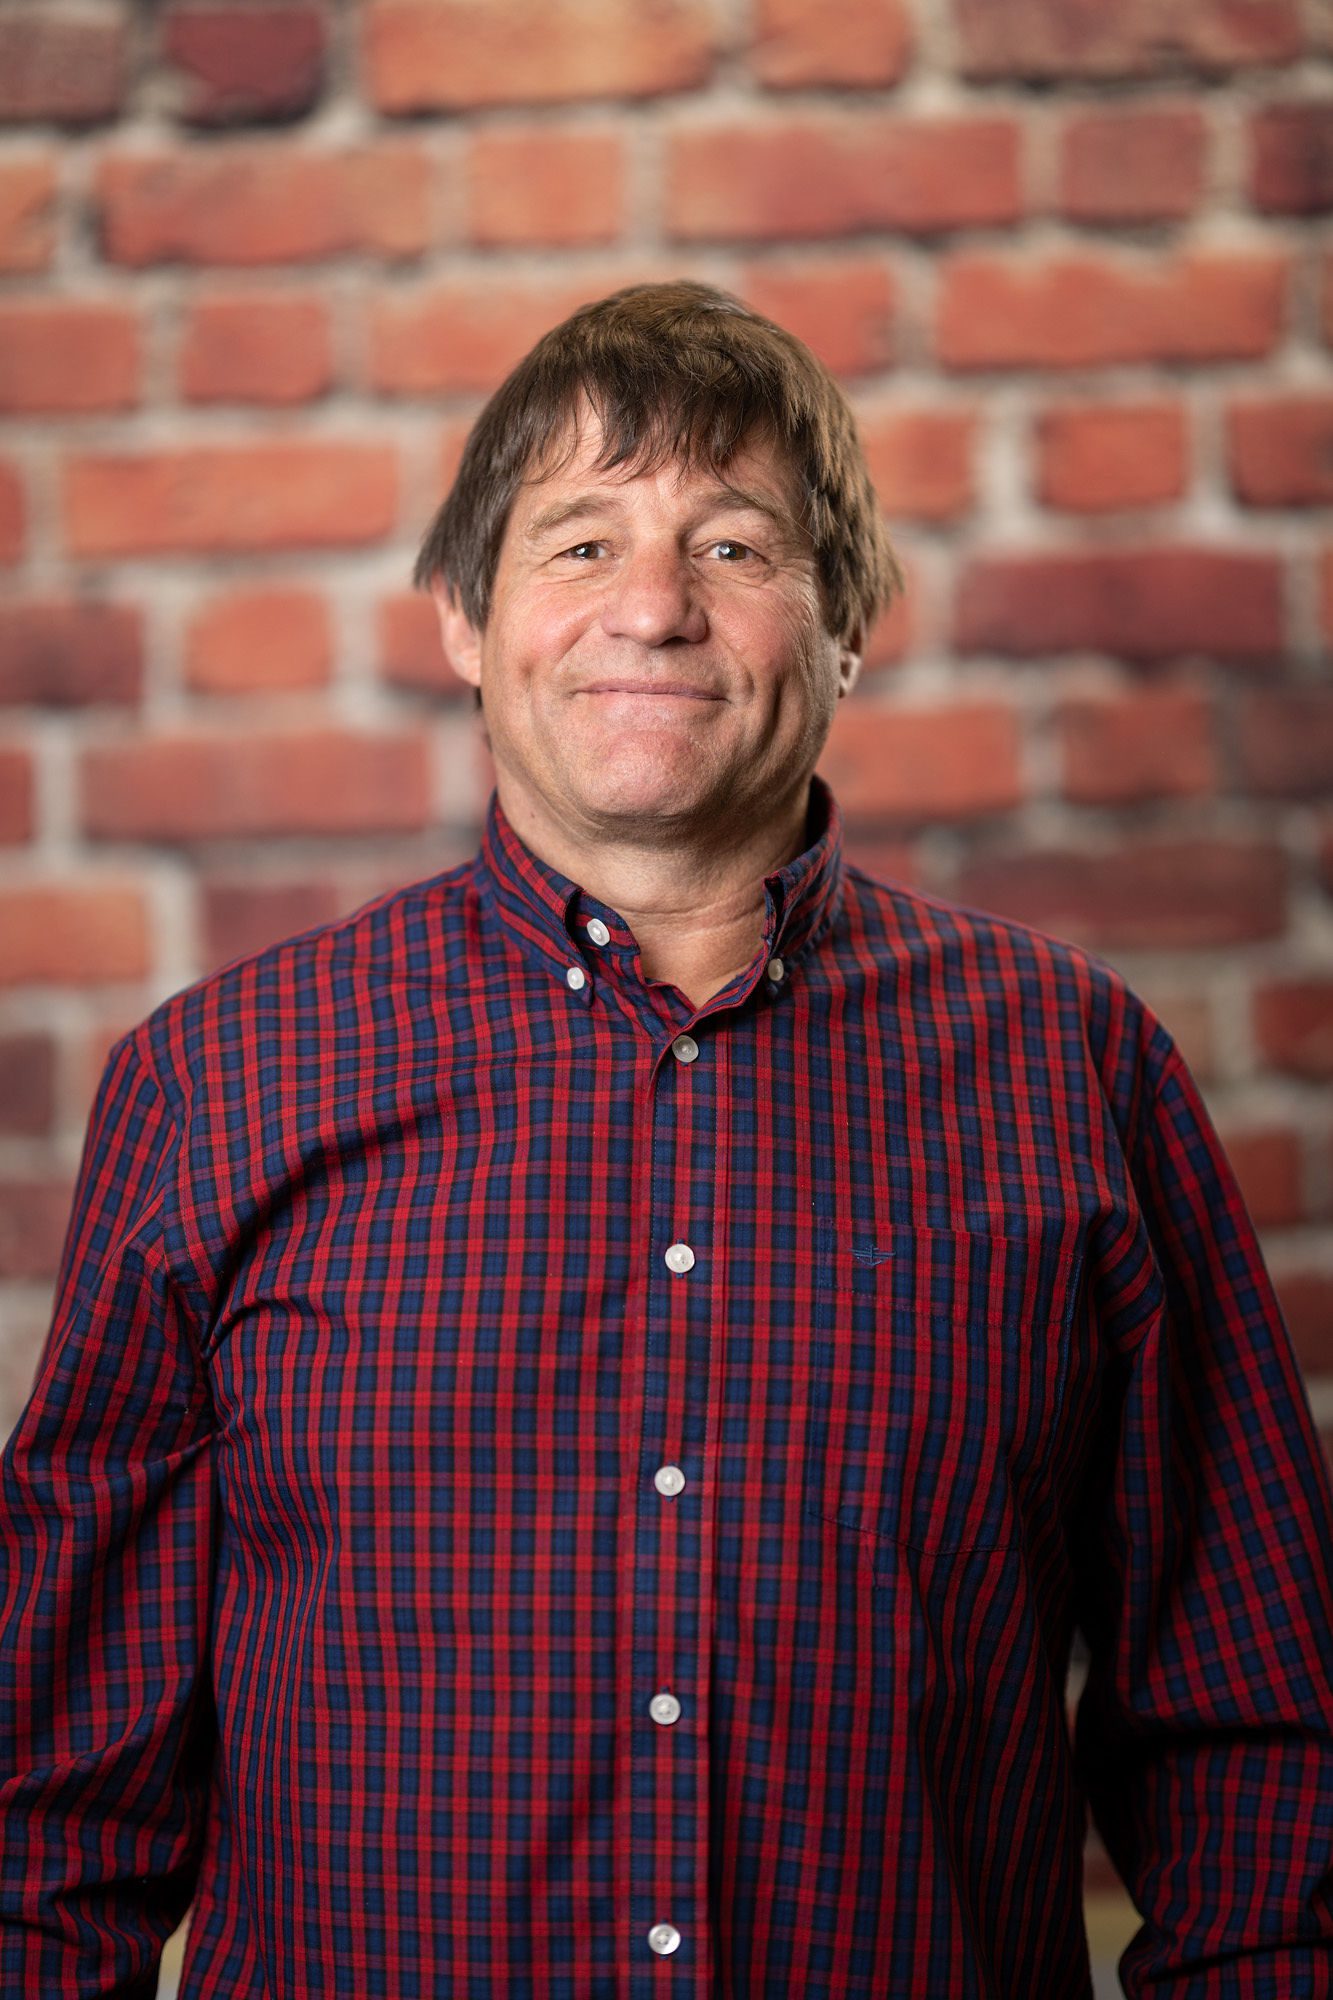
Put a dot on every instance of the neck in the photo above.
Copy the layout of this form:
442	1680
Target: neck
696	907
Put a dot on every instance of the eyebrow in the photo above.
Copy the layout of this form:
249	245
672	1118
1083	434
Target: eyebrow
547	519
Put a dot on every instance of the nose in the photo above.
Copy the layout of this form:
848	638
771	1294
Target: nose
654	598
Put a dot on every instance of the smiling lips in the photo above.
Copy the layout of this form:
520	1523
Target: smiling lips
681	689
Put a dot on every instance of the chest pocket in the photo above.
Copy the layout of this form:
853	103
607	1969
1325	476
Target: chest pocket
938	1366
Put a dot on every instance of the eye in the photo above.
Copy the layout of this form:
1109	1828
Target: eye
582	551
732	551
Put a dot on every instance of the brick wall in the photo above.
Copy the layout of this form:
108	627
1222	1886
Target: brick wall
262	262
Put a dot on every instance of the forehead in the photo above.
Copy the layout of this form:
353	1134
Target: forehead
571	464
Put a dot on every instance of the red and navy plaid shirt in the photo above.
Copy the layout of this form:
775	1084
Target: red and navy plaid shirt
537	1490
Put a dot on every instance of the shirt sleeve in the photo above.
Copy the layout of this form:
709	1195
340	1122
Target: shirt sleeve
106	1724
1204	1734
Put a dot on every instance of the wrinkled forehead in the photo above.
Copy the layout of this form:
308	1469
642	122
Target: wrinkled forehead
587	451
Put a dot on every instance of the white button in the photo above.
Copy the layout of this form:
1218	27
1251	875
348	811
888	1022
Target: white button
663	1938
669	1479
576	977
777	971
685	1048
597	931
680	1258
664	1708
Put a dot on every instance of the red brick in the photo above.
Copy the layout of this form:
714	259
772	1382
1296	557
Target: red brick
13	514
1269	1165
27	212
255	641
314	493
800	43
72	933
69	68
886	859
33	1217
235	65
841	307
1285	742
1306	1298
540	185
921	460
59	356
465	334
241	916
1141	164
1074	310
1071	38
15	795
256	348
1293	1023
1093	458
1326	597
1157	743
893	635
1280	450
264	203
246	784
410	652
824	175
63	653
907	764
1139	604
1177	895
451	55
1291	157
27	1084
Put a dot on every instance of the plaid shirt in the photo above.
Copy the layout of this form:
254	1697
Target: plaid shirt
534	1490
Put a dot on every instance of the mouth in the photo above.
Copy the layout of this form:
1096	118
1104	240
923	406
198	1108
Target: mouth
658	690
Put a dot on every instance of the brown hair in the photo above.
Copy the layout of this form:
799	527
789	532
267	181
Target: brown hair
673	371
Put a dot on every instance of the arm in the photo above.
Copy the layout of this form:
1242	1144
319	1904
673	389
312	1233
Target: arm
1205	1731
105	1523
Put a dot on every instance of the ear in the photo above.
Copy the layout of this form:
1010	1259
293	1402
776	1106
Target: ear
461	639
849	662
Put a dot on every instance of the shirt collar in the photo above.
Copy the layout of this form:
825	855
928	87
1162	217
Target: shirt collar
550	916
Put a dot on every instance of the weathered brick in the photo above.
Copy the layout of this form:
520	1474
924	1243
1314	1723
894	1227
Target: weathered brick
1122	38
33	1215
1269	1164
1156	743
256	348
16	800
1076	310
67	67
236	65
542	185
887	859
909	764
300	494
1285	742
65	653
1167	895
1291	157
1306	1298
1135	604
824	175
452	55
254	641
241	915
1097	457
1293	1025
464	334
61	356
800	43
842	307
921	460
195	786
894	633
72	933
1144	163
265	203
13	514
410	652
27	212
1325	584
1280	450
27	1083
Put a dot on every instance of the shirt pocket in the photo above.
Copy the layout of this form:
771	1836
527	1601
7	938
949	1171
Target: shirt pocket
937	1377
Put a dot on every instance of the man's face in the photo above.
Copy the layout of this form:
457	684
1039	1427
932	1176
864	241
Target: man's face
655	663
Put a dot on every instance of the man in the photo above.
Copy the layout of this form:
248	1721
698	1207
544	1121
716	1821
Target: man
588	1398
